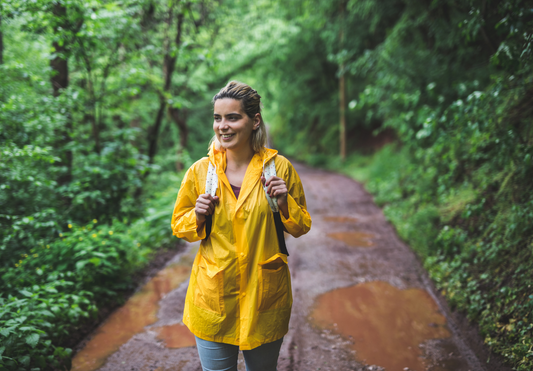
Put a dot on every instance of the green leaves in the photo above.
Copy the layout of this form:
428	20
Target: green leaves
32	340
44	306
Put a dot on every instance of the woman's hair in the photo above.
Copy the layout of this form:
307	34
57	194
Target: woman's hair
251	104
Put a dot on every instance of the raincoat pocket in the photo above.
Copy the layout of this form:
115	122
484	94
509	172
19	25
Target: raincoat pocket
209	290
274	284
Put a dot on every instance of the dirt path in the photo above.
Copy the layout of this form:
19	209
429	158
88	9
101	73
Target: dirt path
361	301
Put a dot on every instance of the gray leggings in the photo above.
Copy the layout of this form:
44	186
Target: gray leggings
223	357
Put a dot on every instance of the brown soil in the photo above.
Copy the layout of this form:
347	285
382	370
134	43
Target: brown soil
357	306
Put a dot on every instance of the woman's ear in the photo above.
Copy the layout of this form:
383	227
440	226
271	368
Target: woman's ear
257	121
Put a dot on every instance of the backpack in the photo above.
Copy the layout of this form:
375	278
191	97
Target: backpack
269	169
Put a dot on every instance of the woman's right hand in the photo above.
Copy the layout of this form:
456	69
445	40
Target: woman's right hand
205	205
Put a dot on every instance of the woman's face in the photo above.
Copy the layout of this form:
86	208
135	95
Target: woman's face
233	128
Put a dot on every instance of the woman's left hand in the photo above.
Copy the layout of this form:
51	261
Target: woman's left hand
276	187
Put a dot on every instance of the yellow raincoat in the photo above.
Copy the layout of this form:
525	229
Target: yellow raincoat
240	288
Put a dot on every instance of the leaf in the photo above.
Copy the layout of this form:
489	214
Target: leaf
81	264
32	340
5	332
46	313
26	293
24	360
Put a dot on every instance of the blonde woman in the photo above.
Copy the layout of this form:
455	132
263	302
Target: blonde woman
239	294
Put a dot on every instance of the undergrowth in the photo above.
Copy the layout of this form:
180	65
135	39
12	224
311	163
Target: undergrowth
57	286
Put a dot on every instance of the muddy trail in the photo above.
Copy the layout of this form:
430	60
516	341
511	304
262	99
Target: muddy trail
362	301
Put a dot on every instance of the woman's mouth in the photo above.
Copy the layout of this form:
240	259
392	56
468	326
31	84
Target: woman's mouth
226	136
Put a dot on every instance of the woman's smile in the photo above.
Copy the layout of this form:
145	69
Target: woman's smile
226	137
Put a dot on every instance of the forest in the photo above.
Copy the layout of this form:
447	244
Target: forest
104	103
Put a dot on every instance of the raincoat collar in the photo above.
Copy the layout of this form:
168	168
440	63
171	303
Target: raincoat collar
253	173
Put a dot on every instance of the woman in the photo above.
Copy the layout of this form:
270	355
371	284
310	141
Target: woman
239	294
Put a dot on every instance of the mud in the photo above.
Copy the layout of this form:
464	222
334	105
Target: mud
359	239
385	325
176	336
374	290
340	219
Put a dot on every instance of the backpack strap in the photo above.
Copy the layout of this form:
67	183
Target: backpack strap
211	181
211	185
269	169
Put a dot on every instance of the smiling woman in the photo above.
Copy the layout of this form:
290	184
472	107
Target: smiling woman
249	106
233	128
239	294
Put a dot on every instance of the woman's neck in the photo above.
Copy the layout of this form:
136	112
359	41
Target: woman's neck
239	159
236	165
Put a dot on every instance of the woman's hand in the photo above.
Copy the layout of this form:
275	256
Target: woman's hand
205	205
276	187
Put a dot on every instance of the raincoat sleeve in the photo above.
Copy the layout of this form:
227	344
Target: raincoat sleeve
184	218
299	221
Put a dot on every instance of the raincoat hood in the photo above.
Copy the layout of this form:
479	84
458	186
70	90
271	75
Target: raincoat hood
217	157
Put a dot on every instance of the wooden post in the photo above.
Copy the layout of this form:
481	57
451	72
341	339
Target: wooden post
342	89
1	42
342	112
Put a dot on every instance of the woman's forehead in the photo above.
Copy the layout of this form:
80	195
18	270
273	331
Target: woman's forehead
225	106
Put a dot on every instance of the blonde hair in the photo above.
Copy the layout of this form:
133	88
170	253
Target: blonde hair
251	104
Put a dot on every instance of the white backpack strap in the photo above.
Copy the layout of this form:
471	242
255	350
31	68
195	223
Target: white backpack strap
211	181
269	169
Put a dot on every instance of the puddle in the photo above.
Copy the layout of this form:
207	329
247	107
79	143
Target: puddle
340	219
139	311
386	324
359	239
176	336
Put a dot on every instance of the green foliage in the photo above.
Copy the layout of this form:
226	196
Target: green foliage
69	159
452	81
153	228
49	291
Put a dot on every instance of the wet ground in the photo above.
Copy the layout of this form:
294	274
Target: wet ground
361	301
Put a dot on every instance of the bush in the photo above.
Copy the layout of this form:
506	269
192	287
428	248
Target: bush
49	291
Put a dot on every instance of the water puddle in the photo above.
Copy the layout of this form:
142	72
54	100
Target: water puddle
359	239
340	219
139	311
386	324
176	336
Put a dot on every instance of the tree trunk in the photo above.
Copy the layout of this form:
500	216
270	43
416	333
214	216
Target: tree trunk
153	132
180	119
59	80
59	63
169	64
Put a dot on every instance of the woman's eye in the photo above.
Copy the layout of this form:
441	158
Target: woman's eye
217	119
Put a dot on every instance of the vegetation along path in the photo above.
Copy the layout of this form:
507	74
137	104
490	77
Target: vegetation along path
362	301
